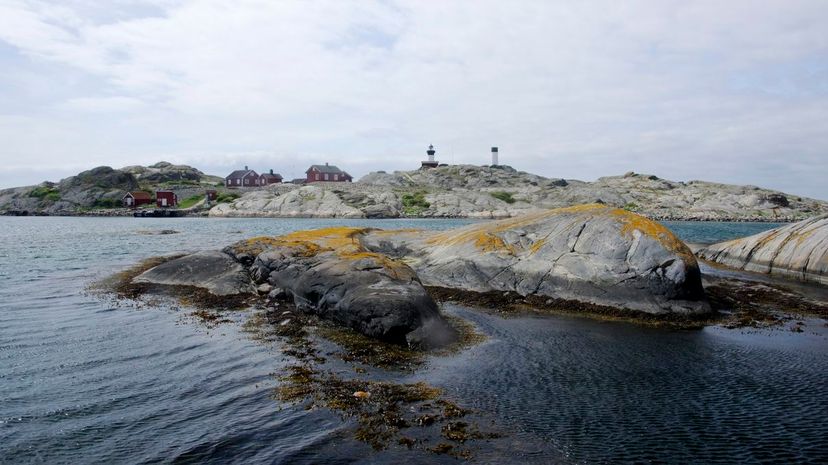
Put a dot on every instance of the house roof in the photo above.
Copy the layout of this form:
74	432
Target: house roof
330	169
239	174
138	195
274	175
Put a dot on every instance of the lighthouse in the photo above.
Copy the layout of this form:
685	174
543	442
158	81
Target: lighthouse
494	156
431	162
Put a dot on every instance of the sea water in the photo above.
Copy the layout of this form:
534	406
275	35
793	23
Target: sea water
86	379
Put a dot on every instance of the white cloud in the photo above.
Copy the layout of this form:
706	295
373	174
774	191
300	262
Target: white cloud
701	89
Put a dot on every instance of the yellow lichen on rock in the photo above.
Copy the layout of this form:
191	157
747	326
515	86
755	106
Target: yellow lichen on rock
632	222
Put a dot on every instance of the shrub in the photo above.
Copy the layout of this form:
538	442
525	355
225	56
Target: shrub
631	207
226	197
107	203
414	203
45	192
190	201
504	196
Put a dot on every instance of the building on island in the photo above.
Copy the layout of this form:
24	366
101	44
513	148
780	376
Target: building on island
165	199
270	178
328	173
211	195
242	178
494	156
431	162
136	199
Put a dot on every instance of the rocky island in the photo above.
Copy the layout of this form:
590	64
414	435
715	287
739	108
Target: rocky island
468	191
375	281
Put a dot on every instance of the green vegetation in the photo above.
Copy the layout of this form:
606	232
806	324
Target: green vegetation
189	202
45	192
631	207
226	197
504	196
414	203
107	203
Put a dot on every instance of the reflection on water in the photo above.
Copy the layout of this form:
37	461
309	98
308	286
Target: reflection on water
85	380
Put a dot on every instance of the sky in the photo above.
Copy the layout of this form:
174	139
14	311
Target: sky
730	91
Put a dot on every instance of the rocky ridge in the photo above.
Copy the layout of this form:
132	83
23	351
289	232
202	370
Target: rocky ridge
798	250
103	187
468	191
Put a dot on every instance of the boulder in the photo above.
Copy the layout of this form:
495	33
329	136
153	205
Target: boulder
329	273
589	253
214	271
798	250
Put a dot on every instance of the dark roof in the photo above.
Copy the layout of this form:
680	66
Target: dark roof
239	174
330	169
139	195
269	175
298	181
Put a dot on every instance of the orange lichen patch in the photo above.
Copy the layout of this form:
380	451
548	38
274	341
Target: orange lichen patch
491	243
481	234
631	221
394	268
340	239
257	245
533	249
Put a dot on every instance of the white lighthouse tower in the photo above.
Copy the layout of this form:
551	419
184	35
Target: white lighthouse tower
494	156
431	162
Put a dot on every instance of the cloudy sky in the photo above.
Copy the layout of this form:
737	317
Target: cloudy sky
732	91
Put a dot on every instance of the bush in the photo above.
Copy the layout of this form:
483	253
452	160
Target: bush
631	207
226	197
504	196
189	202
45	192
414	203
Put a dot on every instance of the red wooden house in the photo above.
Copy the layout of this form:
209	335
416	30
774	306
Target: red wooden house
212	195
165	199
136	199
328	173
270	178
242	178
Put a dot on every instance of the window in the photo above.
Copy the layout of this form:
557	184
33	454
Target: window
238	181
317	176
326	176
336	177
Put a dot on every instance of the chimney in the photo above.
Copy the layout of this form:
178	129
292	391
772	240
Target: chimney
494	156
245	167
271	170
326	163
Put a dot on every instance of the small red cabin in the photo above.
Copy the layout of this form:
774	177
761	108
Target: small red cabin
136	199
211	195
164	199
326	172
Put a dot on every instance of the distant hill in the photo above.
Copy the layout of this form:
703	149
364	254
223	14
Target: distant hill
467	191
103	187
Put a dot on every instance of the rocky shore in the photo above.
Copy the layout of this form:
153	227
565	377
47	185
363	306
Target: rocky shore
798	251
466	191
374	281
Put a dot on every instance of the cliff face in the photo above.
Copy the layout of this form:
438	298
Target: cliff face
102	187
500	192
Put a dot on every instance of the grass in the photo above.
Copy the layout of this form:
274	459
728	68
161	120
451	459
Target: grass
414	203
504	196
107	203
190	201
226	197
631	207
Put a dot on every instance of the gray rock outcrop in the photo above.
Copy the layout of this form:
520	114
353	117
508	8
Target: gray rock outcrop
588	253
466	191
215	271
798	250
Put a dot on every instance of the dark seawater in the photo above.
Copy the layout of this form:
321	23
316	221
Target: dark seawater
89	380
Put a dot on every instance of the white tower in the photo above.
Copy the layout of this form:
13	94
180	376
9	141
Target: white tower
494	156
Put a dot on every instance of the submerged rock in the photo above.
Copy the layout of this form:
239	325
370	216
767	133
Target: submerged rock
589	253
798	250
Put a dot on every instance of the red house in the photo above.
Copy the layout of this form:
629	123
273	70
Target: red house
328	173
270	178
242	178
211	195
164	199
136	199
